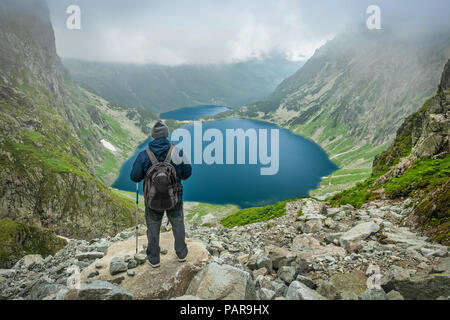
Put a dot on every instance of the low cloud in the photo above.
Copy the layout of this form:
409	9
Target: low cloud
175	32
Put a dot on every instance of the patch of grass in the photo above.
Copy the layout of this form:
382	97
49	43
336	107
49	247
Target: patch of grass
356	196
299	213
422	174
18	239
195	213
256	214
426	173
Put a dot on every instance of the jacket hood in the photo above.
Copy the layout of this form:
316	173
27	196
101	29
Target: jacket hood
159	146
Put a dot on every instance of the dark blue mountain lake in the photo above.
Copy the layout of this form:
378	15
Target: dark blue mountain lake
302	164
193	113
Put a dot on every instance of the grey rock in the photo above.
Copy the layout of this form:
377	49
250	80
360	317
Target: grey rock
261	271
266	294
29	261
442	267
264	261
420	289
301	265
279	256
58	295
131	273
93	274
332	237
259	260
307	281
230	260
219	282
117	280
300	291
373	294
287	274
89	255
100	290
437	252
43	288
312	226
132	263
117	265
359	232
140	258
7	272
326	289
331	212
279	288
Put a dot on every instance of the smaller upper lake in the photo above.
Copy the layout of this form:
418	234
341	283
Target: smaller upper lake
193	113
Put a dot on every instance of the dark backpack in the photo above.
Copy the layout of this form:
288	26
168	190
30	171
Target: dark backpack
160	183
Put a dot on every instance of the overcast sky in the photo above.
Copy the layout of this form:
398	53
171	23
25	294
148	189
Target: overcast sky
215	31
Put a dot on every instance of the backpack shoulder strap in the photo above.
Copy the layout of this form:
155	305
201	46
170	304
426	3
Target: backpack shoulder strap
152	157
169	154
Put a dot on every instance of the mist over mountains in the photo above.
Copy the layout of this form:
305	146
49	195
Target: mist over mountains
162	88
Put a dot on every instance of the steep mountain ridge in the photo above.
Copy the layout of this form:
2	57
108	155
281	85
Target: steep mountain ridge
51	132
416	165
353	94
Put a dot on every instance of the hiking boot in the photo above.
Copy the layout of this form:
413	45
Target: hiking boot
154	265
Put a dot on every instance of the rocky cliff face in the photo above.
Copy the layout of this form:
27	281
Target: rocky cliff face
425	135
368	82
51	132
28	49
416	165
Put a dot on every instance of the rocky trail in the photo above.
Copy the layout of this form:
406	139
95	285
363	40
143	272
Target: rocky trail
314	252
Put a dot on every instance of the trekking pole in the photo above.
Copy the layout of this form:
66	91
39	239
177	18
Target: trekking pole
136	215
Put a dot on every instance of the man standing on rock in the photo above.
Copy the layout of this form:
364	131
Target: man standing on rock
163	190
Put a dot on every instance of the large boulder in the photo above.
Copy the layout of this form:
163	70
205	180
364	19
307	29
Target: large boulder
117	265
29	261
98	290
309	247
170	280
359	232
420	289
43	288
279	256
300	291
443	266
222	282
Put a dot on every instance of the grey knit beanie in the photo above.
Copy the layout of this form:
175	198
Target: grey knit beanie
160	130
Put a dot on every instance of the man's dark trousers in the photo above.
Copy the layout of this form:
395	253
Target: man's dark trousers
153	219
